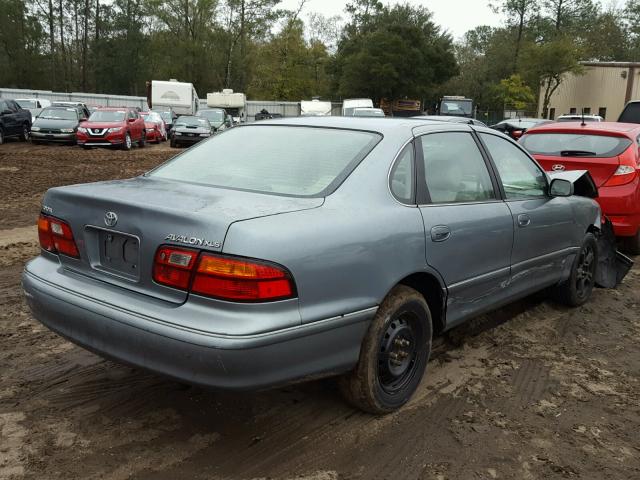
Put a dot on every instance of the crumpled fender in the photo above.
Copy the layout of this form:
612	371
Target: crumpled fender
612	266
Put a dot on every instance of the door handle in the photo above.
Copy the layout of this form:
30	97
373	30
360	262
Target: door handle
440	233
523	220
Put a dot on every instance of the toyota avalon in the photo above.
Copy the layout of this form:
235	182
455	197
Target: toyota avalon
292	249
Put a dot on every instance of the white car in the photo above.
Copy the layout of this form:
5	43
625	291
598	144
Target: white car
34	105
574	117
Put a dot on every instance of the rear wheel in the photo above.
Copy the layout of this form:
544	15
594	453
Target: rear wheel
1	137
173	143
127	142
394	354
143	139
576	290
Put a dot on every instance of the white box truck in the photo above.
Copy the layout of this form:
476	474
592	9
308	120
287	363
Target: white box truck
181	97
234	103
350	104
315	108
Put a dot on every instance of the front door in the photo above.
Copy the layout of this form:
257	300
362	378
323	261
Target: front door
468	228
542	248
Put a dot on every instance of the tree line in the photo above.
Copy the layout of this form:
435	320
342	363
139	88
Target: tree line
257	47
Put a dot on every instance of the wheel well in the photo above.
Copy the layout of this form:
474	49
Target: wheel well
431	290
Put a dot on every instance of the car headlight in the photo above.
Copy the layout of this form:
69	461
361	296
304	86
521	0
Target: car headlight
205	134
80	129
66	130
115	129
35	129
150	129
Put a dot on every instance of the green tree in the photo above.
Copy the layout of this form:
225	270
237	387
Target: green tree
514	93
392	53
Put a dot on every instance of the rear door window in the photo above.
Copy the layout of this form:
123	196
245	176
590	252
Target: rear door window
402	176
574	145
454	169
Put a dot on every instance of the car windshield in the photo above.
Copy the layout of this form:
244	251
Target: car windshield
456	107
192	122
151	117
368	112
215	116
282	160
166	116
27	103
59	114
563	144
107	116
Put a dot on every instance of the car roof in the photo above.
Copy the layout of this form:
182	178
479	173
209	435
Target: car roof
114	109
630	130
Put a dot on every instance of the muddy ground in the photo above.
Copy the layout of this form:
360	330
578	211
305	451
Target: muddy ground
533	391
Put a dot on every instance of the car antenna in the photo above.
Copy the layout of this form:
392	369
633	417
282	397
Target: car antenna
583	124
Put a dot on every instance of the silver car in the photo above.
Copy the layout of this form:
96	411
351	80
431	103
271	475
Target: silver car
291	249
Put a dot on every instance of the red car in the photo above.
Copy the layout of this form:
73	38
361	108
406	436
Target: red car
154	124
108	127
609	151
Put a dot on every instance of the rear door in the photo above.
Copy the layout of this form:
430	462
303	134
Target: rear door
468	228
9	119
543	225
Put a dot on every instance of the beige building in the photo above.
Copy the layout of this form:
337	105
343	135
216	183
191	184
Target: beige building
603	89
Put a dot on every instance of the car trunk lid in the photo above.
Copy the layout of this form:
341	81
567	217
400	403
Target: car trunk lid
601	169
118	225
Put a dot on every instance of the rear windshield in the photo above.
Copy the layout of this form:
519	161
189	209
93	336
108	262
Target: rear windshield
282	160
631	113
574	144
107	116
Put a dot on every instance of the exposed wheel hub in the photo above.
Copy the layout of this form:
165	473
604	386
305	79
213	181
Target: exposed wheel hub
397	354
585	271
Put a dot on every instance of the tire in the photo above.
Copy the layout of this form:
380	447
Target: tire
389	369
156	138
143	140
86	147
1	137
576	290
24	135
173	144
127	142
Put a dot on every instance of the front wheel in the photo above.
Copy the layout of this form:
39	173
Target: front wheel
143	140
576	290
127	142
1	137
393	355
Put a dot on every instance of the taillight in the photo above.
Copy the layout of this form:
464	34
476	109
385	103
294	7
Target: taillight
222	277
517	133
55	236
239	279
624	174
174	266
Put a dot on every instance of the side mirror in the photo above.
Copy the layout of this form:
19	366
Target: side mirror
561	188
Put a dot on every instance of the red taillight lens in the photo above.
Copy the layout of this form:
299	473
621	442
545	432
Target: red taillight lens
623	175
56	236
173	266
221	277
235	279
517	133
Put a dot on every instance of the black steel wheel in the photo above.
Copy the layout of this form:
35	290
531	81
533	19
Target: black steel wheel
393	355
577	289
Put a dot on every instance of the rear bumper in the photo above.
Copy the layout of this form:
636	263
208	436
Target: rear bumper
621	205
236	362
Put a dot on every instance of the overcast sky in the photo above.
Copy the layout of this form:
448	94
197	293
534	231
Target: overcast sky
456	16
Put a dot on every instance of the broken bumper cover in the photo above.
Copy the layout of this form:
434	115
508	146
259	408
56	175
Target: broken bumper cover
235	362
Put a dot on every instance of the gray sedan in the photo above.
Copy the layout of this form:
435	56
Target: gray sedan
292	249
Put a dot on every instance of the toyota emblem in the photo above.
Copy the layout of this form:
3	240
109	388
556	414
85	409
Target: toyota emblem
110	219
558	167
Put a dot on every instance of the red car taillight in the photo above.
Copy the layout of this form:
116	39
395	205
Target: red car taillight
222	277
55	236
624	174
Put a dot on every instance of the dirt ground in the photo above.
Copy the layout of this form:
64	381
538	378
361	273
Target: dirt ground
533	391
